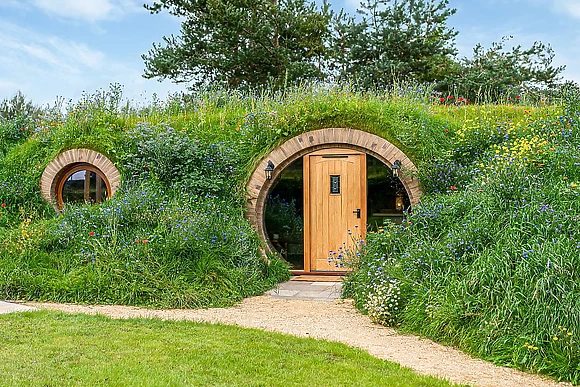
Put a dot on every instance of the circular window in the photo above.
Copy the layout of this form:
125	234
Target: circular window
82	184
79	176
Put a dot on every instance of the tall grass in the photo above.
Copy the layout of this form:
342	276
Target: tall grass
143	247
488	260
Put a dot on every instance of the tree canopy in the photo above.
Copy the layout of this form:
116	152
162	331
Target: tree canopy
16	106
394	40
251	43
242	42
502	70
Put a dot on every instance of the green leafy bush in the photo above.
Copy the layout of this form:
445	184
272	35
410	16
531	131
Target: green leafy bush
178	161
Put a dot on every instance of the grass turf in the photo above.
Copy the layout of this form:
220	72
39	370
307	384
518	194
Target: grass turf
52	348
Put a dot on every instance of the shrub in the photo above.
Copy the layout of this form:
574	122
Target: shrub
178	161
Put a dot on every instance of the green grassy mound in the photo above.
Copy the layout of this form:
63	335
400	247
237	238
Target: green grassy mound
489	260
175	236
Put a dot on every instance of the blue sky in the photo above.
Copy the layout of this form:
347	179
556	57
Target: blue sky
62	48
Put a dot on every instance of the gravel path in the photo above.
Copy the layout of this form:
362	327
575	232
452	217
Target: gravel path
336	321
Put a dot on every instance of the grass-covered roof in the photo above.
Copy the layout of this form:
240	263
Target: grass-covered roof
487	261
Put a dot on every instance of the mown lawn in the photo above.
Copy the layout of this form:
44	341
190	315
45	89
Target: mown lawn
56	349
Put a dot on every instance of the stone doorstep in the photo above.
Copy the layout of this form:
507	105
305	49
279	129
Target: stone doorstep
302	290
282	292
296	285
313	289
308	285
301	298
315	294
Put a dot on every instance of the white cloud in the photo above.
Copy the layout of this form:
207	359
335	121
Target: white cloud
32	48
44	67
78	52
30	61
87	10
8	85
569	7
14	4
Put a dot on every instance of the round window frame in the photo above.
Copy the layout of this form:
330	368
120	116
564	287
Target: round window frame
76	159
69	171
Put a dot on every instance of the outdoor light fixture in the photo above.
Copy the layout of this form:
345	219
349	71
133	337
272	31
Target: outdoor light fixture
399	203
268	170
397	168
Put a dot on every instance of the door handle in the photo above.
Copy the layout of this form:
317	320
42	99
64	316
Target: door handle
357	212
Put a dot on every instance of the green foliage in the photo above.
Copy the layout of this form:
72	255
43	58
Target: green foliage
500	74
395	40
178	161
142	247
287	42
487	260
251	45
241	43
18	106
17	119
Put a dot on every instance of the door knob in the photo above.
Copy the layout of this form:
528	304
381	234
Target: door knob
357	212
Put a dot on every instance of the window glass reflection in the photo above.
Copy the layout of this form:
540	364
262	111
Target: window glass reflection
386	195
84	186
284	216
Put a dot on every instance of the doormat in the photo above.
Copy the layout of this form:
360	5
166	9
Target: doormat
318	278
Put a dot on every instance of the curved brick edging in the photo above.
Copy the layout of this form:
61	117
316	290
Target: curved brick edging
54	170
258	187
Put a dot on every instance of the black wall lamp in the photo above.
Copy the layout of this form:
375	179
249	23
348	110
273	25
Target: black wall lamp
397	168
269	169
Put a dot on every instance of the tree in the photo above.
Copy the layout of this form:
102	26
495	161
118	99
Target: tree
498	71
17	120
241	43
17	106
395	39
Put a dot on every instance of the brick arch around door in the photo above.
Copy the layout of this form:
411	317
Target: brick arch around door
259	187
